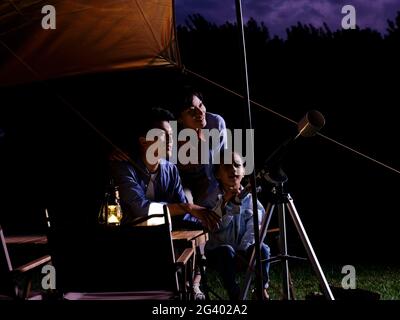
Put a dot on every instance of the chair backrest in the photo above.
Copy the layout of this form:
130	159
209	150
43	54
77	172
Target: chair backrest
11	281
6	286
5	261
110	259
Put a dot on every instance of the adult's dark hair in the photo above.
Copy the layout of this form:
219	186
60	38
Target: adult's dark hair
142	124
149	120
184	98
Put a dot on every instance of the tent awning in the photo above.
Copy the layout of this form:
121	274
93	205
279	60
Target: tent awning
90	36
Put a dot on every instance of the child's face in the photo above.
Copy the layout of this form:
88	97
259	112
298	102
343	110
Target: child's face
231	174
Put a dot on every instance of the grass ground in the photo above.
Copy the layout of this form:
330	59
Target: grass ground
381	279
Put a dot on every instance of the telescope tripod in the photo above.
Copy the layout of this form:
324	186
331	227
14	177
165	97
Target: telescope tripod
282	201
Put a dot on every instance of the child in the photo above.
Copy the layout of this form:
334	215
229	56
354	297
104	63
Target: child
235	236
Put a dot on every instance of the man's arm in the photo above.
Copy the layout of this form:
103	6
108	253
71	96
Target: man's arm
178	195
208	218
132	194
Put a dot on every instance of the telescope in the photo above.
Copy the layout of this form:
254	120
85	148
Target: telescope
307	127
280	200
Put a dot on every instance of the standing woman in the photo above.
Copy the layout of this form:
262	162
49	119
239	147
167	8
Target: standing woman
198	178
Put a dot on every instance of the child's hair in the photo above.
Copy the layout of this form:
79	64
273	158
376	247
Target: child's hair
221	161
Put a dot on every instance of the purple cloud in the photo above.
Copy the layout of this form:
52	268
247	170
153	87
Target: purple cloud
281	14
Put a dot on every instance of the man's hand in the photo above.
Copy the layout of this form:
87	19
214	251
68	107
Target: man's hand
209	219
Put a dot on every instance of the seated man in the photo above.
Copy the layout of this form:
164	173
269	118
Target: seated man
153	178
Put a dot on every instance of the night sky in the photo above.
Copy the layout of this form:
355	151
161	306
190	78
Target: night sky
280	14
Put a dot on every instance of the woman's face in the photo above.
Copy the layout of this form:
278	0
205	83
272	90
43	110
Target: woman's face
194	117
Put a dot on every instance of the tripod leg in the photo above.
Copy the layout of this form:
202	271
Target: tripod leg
310	251
284	252
263	232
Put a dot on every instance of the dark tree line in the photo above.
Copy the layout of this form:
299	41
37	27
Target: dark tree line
351	76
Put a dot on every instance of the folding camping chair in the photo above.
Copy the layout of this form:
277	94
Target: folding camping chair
12	278
119	262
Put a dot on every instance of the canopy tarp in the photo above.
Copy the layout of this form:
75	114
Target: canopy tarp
90	36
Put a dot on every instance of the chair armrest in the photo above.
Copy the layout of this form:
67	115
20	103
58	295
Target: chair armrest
154	212
33	264
185	256
139	220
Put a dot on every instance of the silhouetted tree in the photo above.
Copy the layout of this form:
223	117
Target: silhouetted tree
342	73
394	29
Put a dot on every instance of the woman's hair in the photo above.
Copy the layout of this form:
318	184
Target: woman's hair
184	98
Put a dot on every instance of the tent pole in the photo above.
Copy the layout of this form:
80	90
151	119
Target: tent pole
258	270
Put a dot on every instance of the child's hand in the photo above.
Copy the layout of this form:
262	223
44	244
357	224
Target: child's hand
230	193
